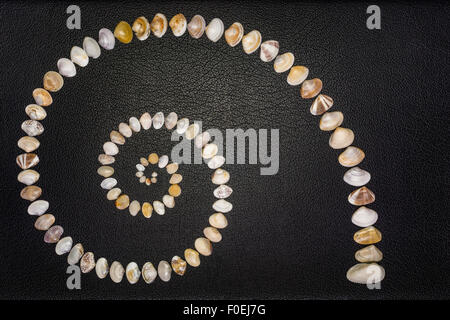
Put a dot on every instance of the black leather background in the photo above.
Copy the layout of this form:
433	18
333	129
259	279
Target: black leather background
290	235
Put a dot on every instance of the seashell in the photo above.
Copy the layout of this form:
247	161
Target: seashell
153	180
321	104
209	151
269	50
105	171
38	208
44	222
53	81
53	234
159	25
133	273
102	268
63	246
233	35
125	130
218	220
352	156
134	124
140	167
178	265
176	178
310	89
27	160
220	176
122	202
202	139
361	197
28	177
215	29
369	235
178	24
42	97
113	194
149	272
146	121
297	75
341	138
196	27
163	161
222	206
79	56
366	273
369	254
35	112
251	41
222	192
117	137
87	262
116	272
134	207
91	47
144	161
141	28
142	179
192	257
75	254
66	68
158	120
31	193
192	131
364	217
171	120
174	190
154	174
147	209
32	128
169	201
106	159
357	177
216	162
203	246
28	144
159	207
182	125
153	158
331	120
108	183
172	168
212	234
110	148
123	32
106	39
283	62
164	271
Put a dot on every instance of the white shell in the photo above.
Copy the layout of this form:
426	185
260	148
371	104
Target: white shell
28	177
110	148
79	56
101	268
163	161
171	120
357	177
366	273
182	125
216	162
158	120
215	29
331	120
202	139
251	41
269	50
125	130
146	121
159	208
134	207
133	273
108	183
140	167
75	254
106	39
192	131
35	112
222	206
222	192
164	271
113	194
364	217
149	272
169	201
142	179
283	62
38	208
341	138
91	47
139	174
66	68
210	150
63	246
218	220
116	272
32	128
134	124
220	176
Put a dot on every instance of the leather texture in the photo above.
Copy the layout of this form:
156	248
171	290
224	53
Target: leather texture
289	235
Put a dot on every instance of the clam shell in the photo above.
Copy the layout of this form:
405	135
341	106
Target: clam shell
218	220
310	89
222	205
182	125
108	183
28	144
35	112
142	179
159	208
172	168
38	208
149	272
174	190
91	47
176	178
269	50
106	39
341	138
134	124
79	56
178	265
202	139
106	159
53	81
75	254
31	193
66	68
102	268
158	120
147	210
171	120
196	27
32	128
87	262
234	34
369	254
283	62
357	177
153	158
297	75
203	246
28	177
141	28
216	162
159	25
192	131
212	234
64	245
139	174
321	104
53	234
123	32
192	257
42	97
163	161
364	217
164	271
117	137
220	176
116	272
113	194
366	273
351	157
169	201
210	150
134	207
146	121
133	273
125	130
27	160
178	24
222	192
140	167
251	41
110	148
105	171
361	197
122	202
369	235
331	120
215	29
44	222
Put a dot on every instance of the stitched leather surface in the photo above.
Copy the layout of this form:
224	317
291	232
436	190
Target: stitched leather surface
290	235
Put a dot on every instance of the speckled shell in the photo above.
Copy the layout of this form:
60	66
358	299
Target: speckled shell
215	29
234	34
269	50
178	24
284	62
159	25
251	41
141	28
196	27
